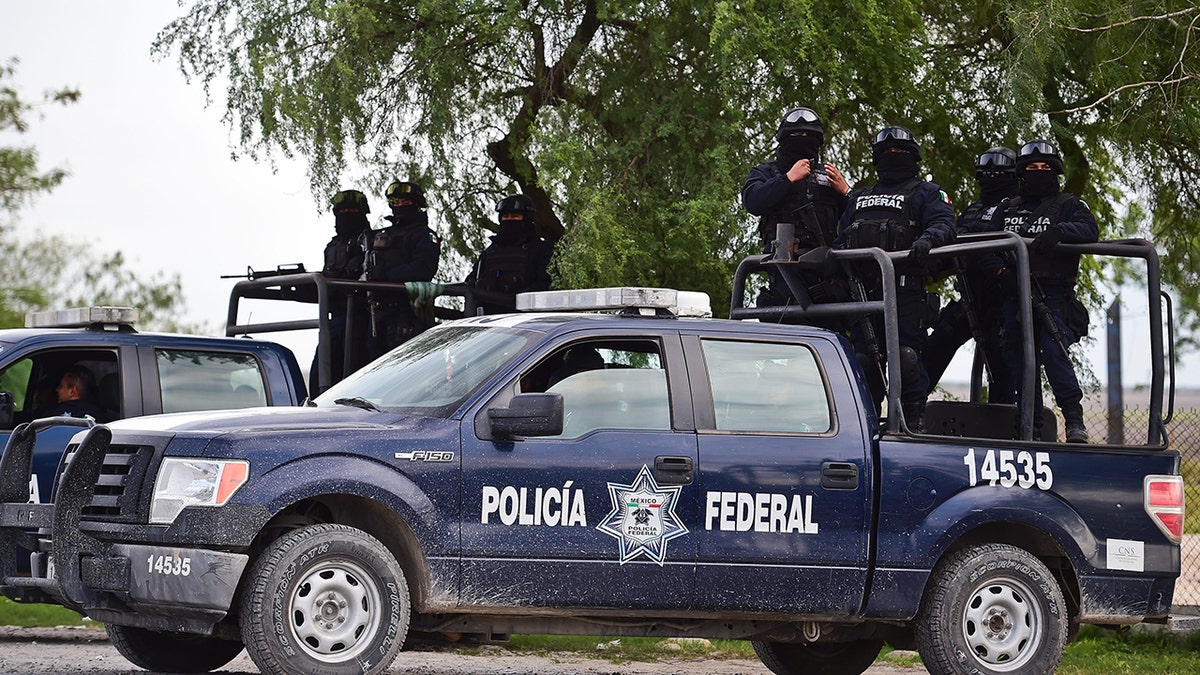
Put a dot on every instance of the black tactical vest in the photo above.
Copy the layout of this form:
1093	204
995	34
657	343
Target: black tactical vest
882	219
504	269
1020	218
343	259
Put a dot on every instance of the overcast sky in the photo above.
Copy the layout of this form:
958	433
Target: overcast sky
151	168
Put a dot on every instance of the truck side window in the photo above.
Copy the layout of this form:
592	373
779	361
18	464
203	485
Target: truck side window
196	380
770	387
607	384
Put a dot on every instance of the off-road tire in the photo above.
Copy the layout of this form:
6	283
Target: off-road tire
172	652
991	609
325	598
818	658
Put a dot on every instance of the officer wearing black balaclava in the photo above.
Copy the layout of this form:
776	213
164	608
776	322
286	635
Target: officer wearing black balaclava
406	250
514	262
996	173
901	212
343	260
796	188
1049	216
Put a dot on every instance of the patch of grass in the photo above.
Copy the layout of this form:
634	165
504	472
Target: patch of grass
20	614
1144	649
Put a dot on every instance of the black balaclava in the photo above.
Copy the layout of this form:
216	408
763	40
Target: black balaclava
894	167
994	187
349	225
1038	184
792	149
403	216
513	231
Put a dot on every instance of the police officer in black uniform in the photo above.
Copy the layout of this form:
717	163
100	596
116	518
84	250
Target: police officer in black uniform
901	212
514	262
344	260
406	250
1042	211
978	309
796	188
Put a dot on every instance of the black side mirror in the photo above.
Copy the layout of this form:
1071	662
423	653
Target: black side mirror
6	410
528	415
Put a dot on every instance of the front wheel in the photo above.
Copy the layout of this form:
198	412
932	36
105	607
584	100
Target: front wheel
172	652
327	598
991	609
818	658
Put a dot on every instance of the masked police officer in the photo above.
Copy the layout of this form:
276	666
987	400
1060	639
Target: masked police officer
1041	211
344	260
796	188
514	262
901	212
406	250
977	312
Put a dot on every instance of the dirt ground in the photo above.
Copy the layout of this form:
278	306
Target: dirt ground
86	651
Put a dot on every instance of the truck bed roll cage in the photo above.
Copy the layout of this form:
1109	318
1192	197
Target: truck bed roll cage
788	262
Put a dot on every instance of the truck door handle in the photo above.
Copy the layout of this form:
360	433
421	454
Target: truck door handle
839	475
673	470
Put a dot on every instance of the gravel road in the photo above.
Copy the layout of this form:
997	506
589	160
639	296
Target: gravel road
79	650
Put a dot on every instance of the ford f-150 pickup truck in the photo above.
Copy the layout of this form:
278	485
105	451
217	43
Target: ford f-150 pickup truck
639	472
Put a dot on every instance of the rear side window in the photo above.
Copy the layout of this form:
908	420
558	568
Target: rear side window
767	387
197	380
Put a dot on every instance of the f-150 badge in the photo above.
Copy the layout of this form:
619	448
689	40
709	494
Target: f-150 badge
643	517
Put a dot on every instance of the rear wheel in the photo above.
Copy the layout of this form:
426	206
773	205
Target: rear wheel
992	609
327	598
818	658
172	652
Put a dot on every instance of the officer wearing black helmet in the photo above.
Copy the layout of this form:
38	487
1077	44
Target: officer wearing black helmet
977	312
901	212
514	262
1041	211
344	260
406	250
796	188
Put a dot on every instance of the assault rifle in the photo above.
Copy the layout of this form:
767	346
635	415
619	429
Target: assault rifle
280	270
1043	315
967	297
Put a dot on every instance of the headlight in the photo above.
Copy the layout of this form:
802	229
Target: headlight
184	482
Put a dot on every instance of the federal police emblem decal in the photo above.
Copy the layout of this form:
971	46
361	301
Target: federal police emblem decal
643	517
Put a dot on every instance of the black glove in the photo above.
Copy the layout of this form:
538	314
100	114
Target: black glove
1046	241
920	248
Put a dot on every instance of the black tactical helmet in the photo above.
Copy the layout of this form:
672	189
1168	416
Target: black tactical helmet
799	119
350	201
895	137
404	189
996	160
517	204
1039	150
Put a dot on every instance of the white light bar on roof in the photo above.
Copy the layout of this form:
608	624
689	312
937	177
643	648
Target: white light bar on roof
81	316
679	303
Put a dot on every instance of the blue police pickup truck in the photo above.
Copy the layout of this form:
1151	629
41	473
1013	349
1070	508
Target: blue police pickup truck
634	473
130	373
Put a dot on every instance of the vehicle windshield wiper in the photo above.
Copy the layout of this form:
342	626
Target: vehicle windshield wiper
358	402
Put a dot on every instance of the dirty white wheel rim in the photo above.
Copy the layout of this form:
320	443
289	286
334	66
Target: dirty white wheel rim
334	611
1003	624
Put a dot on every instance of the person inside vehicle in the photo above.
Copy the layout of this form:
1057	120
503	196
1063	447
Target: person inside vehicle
76	395
344	260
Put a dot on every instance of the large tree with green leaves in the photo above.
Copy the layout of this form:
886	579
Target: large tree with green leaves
632	125
52	271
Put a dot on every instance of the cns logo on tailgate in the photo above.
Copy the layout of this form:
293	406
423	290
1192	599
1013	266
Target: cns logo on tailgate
643	517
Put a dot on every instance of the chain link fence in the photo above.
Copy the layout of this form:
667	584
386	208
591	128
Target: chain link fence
1183	431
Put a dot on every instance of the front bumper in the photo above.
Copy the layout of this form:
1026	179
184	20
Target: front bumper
179	578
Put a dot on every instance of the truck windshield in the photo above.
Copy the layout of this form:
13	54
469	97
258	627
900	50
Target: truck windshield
434	371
